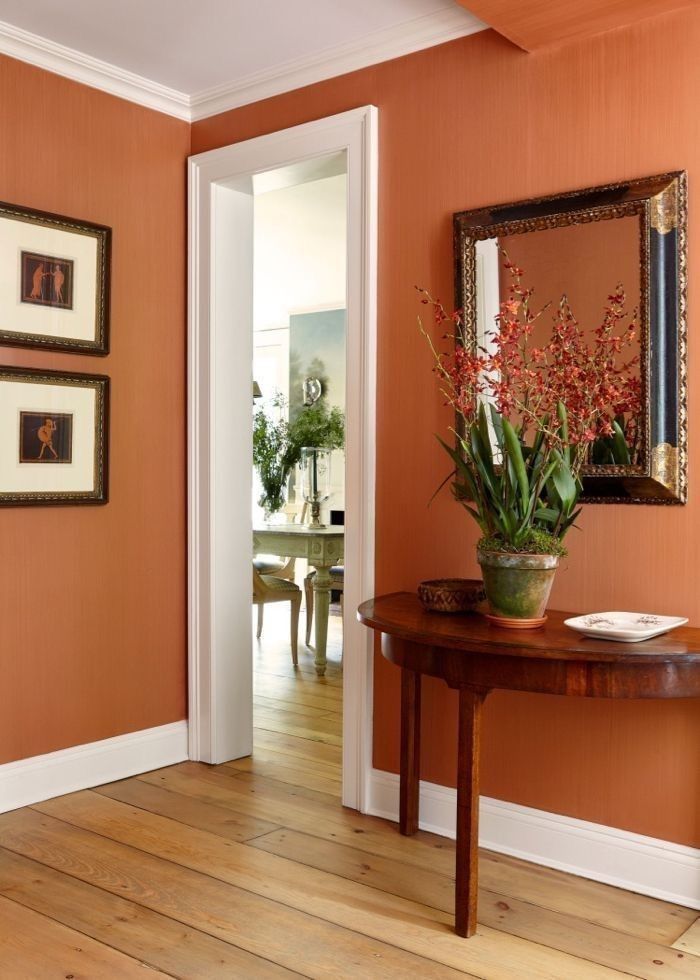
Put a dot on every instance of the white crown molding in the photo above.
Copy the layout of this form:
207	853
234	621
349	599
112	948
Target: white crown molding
646	865
383	45
79	67
93	764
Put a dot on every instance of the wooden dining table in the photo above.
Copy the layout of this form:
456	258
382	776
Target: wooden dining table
475	657
322	547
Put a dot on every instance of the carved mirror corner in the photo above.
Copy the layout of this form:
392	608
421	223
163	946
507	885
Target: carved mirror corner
582	245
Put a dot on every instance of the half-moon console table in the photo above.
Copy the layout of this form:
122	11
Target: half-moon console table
475	658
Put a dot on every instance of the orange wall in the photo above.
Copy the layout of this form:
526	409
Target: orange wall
472	123
92	599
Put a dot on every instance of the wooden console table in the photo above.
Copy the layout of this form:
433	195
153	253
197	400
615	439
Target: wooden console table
476	658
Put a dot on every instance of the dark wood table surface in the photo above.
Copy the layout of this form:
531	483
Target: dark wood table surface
475	657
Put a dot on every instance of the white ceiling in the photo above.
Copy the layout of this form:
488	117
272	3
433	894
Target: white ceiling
196	51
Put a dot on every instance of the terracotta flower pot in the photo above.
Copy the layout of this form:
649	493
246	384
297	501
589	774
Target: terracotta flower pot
517	587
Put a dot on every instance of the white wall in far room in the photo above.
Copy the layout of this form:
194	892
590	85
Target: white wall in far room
299	251
300	265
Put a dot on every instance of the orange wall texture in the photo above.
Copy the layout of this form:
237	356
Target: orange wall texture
480	122
92	599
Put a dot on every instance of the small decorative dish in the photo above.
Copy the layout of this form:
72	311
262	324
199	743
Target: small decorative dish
625	627
451	595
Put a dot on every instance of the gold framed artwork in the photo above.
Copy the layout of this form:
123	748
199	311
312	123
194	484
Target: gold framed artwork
54	281
53	437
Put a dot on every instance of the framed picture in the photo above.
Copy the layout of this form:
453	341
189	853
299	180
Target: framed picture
53	437
54	282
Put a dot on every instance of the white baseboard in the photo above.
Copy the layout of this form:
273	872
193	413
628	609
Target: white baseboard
617	857
82	766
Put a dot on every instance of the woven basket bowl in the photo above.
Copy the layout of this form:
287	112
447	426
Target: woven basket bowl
451	595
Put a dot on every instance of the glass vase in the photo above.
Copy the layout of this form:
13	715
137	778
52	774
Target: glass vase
315	466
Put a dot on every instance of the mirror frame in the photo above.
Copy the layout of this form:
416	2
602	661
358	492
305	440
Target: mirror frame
661	204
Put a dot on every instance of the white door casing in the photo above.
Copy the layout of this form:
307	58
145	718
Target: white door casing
220	434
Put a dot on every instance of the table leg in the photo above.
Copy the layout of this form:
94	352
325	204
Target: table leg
322	602
410	751
470	704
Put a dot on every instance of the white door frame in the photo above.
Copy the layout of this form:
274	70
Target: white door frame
220	438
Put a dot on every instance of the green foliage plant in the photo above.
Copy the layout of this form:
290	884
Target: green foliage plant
277	444
274	455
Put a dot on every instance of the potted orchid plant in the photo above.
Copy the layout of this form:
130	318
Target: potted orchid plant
529	416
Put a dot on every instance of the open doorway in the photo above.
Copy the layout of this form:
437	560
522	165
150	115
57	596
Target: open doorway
298	514
223	186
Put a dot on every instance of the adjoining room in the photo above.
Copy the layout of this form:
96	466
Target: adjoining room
299	348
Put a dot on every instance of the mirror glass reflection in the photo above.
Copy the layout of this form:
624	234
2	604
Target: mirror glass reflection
582	265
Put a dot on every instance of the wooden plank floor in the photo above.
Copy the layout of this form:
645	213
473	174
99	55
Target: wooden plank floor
253	869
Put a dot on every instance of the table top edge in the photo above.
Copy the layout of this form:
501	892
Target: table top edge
552	642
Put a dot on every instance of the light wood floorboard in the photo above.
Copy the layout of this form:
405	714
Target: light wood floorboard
33	946
690	940
254	869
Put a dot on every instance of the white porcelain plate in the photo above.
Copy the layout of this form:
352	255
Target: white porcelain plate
627	627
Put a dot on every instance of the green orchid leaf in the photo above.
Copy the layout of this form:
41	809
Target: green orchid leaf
621	453
564	431
497	423
462	471
535	457
450	476
515	456
484	429
569	523
564	483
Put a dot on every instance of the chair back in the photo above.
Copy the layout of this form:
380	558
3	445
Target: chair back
260	590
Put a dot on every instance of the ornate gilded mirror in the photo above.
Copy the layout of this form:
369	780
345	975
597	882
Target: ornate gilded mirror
580	249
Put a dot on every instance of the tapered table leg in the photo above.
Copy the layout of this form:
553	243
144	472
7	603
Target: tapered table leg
410	751
466	886
322	602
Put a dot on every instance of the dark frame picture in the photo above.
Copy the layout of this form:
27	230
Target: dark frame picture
47	280
660	203
48	437
65	282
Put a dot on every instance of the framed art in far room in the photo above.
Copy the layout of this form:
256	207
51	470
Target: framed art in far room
54	282
53	437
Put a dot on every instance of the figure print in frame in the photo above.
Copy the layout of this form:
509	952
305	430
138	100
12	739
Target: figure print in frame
54	287
54	431
45	437
47	281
